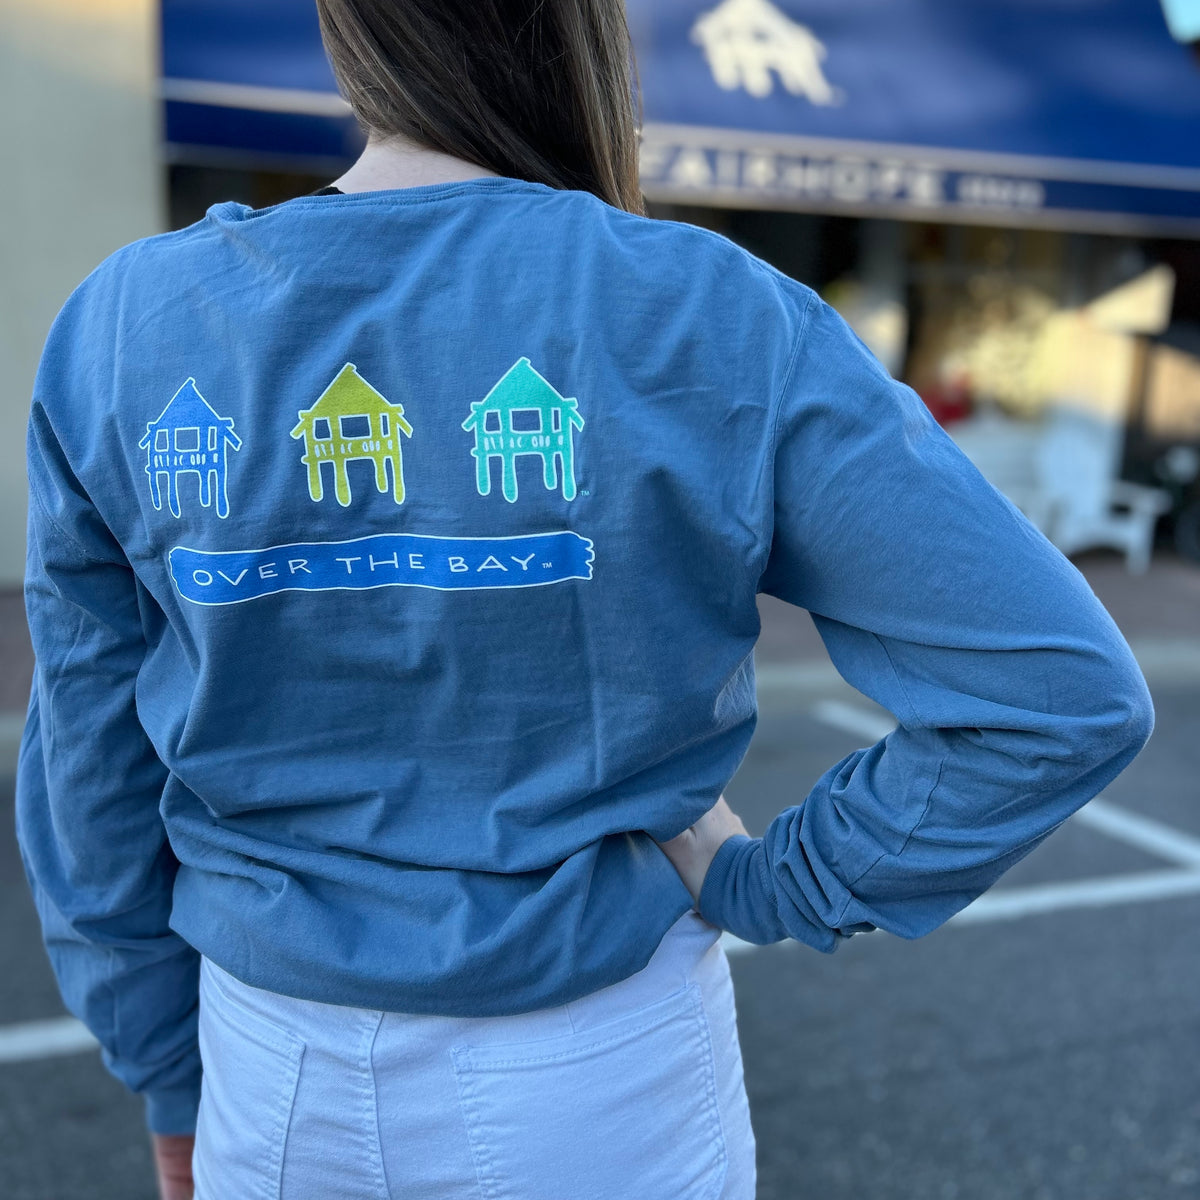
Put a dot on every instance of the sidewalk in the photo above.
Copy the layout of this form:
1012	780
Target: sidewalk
1158	612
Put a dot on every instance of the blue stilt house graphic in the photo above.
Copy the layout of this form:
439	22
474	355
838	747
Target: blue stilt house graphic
524	414
189	438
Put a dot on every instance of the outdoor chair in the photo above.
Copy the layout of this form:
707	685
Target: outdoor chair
1004	451
1077	460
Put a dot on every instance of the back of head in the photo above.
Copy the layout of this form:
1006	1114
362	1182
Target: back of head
541	90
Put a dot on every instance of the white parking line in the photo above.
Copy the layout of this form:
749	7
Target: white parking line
849	718
1003	904
66	1035
1152	836
44	1039
801	677
1007	904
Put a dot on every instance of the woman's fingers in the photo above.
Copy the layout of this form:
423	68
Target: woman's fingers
692	851
173	1163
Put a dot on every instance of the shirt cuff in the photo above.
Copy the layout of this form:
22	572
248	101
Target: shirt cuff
173	1110
737	893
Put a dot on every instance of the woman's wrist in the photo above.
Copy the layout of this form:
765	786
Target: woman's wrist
738	894
692	851
714	885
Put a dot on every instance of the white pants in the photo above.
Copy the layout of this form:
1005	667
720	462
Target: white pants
634	1092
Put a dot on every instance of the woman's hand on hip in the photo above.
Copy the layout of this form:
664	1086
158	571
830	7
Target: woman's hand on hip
173	1164
693	850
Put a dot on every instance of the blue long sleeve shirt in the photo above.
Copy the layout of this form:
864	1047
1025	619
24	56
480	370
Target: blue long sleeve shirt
392	567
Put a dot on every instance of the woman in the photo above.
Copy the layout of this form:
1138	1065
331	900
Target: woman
392	570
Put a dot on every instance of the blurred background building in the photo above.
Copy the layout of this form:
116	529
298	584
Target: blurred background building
1003	198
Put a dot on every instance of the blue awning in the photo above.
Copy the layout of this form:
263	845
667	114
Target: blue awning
249	84
1080	114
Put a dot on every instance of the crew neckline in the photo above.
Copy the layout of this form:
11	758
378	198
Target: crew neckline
385	197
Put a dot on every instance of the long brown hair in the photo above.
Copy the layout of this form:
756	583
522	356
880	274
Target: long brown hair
542	90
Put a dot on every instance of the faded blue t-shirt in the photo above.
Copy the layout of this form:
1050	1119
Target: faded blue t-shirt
392	575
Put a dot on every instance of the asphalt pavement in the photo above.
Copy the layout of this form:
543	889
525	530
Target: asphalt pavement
1043	1050
1041	1046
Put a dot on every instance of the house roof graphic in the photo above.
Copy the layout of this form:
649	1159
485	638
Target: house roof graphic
186	408
521	387
348	394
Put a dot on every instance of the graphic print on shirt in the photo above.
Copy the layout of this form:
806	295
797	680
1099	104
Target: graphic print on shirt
381	560
524	414
189	438
351	420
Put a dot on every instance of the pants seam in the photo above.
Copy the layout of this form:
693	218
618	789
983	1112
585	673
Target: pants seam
380	1162
708	1055
481	1159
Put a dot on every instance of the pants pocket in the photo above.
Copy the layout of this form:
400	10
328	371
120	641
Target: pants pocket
626	1109
251	1070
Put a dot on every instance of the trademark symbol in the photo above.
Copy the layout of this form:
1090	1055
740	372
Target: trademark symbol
547	564
585	491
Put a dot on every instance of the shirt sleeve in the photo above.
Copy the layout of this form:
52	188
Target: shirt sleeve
1017	699
88	789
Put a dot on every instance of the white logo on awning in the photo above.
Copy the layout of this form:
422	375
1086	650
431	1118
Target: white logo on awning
745	40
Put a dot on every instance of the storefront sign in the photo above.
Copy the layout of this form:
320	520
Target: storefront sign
1070	113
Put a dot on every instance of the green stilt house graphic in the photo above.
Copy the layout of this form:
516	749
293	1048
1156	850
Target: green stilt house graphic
524	414
351	420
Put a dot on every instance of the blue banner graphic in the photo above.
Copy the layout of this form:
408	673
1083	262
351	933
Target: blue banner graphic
383	560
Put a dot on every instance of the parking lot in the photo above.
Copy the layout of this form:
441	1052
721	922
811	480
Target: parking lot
1040	1046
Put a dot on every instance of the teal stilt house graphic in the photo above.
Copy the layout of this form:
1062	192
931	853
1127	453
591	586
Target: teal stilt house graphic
351	420
189	438
524	414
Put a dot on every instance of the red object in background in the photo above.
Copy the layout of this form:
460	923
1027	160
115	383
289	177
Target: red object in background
949	402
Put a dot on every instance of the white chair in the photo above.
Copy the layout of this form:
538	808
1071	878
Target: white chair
1004	451
1077	459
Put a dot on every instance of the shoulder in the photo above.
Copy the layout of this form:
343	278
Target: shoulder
676	282
695	251
146	253
97	325
119	288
